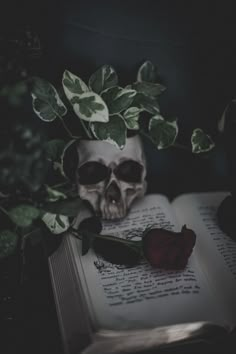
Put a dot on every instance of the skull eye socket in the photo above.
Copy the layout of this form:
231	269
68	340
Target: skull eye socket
93	172
129	171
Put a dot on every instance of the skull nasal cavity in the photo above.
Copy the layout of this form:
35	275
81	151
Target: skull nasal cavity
113	193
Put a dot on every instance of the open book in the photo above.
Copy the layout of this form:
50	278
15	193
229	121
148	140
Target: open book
94	296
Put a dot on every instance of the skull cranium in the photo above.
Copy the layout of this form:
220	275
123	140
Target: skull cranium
109	178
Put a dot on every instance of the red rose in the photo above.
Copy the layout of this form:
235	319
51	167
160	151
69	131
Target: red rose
168	249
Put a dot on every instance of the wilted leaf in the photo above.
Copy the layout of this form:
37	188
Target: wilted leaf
113	132
103	78
201	142
56	223
8	243
147	72
131	117
90	107
163	132
46	101
73	86
118	99
23	215
149	88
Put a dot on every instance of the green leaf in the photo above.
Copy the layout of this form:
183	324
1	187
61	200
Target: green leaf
148	88
163	132
23	215
54	194
131	117
73	86
54	149
148	104
147	72
201	142
103	78
46	101
113	132
66	207
118	99
90	107
8	243
56	223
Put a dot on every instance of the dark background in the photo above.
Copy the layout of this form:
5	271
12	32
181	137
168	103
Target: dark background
192	43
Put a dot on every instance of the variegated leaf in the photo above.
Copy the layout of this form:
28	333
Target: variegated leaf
103	78
147	72
162	132
201	142
73	86
131	117
113	132
54	194
148	104
90	107
118	99
148	88
46	101
56	223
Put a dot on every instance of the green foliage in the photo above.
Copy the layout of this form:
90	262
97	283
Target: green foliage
46	101
104	78
114	131
90	107
8	243
131	118
147	72
106	111
23	215
118	99
201	142
162	132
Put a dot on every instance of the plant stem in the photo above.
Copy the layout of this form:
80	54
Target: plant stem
4	211
67	129
77	234
85	129
175	145
143	133
179	146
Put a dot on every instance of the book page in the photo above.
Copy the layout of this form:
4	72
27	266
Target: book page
120	297
215	251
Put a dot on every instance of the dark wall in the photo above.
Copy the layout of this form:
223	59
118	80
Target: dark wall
192	43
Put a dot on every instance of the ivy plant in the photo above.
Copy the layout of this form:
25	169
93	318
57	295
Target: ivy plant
107	111
101	109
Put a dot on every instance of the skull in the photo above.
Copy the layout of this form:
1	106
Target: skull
111	179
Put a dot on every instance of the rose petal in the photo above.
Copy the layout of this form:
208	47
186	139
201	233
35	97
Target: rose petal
168	249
